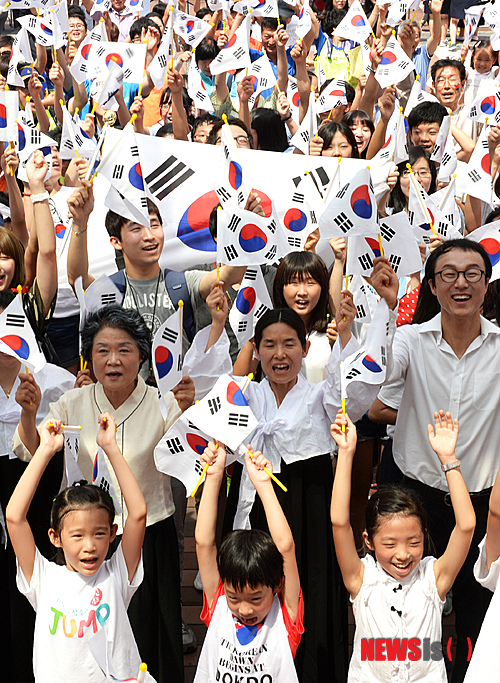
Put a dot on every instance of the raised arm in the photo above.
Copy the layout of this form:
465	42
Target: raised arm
345	546
9	160
135	525
493	527
80	206
17	524
443	438
278	527
43	227
206	522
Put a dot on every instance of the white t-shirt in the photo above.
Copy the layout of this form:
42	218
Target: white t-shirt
70	608
235	652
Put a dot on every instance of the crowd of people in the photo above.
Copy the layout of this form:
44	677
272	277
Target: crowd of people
388	493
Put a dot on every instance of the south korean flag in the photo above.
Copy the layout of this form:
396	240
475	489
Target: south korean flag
394	66
332	96
191	29
167	356
71	450
479	183
179	451
262	75
231	183
17	338
197	90
235	54
399	246
245	238
368	364
224	413
101	477
252	302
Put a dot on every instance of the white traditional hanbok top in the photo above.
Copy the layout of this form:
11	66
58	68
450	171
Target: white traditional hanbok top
297	429
236	652
397	611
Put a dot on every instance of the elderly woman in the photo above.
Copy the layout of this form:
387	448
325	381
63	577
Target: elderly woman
116	341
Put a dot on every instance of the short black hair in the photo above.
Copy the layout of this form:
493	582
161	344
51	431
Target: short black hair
204	118
139	24
76	11
463	244
207	49
270	129
328	131
426	112
114	222
269	23
232	122
159	9
249	557
6	40
332	19
165	130
203	12
116	317
443	63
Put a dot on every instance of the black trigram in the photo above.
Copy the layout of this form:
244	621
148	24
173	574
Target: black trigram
272	226
352	374
360	311
383	72
442	228
223	194
192	426
191	38
260	311
83	68
312	216
237	420
234	223
118	171
294	242
100	51
271	253
250	274
446	159
268	9
126	74
174	445
474	176
256	68
240	197
305	135
239	52
198	468
342	222
107	299
298	197
179	364
144	202
411	216
201	96
78	140
129	53
484	144
67	144
14	320
162	61
365	262
104	485
342	191
134	151
263	82
168	177
230	252
387	232
225	149
170	335
214	405
242	326
35	136
395	261
382	355
404	64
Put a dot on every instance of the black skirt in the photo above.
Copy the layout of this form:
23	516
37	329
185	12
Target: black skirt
323	651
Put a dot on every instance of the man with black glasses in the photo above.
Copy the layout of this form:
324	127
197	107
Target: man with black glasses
452	362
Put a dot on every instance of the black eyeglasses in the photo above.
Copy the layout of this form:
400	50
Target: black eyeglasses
450	275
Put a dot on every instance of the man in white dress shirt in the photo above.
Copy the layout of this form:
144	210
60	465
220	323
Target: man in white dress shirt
452	363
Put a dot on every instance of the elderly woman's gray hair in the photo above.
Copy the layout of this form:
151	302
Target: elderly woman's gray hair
114	316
